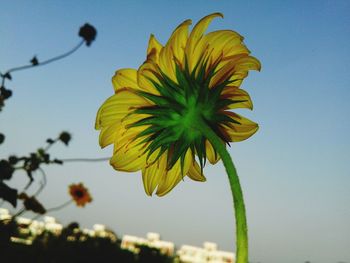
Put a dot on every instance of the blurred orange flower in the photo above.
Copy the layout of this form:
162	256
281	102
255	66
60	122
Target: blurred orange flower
80	194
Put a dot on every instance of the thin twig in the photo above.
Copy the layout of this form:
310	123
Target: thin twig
43	184
53	209
85	159
45	62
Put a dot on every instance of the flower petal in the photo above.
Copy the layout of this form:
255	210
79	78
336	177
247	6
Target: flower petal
174	50
234	69
154	48
170	179
240	98
107	134
227	42
192	54
241	70
152	174
117	107
195	173
248	63
129	154
242	131
210	152
146	75
125	78
126	134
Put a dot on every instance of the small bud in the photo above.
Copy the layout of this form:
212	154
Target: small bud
50	141
22	196
41	151
88	33
34	61
65	137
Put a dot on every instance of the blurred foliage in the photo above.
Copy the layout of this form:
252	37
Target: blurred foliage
32	163
71	246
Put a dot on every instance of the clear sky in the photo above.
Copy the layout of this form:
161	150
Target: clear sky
294	171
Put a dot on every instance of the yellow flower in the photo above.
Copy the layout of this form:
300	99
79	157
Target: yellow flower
80	194
152	119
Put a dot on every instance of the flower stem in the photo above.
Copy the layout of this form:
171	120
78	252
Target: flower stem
60	206
240	214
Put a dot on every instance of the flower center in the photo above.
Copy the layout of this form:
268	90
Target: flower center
78	193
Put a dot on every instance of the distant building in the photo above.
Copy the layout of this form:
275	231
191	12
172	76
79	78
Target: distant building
152	240
4	214
206	254
209	253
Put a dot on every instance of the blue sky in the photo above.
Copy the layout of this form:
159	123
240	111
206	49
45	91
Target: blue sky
294	171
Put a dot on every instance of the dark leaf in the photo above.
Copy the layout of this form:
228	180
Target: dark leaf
8	194
2	138
6	170
13	159
58	161
5	93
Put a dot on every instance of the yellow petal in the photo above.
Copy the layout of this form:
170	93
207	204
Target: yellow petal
195	173
153	50
241	70
237	94
242	131
234	68
117	107
174	50
147	73
125	78
152	174
170	179
107	134
129	154
223	74
224	44
248	63
195	37
226	41
126	134
211	156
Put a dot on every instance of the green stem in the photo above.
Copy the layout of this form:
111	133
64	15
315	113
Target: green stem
241	221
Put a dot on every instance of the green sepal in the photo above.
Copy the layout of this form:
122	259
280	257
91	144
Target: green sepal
162	138
179	148
222	118
146	121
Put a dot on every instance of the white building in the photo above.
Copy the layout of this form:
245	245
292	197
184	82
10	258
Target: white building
209	253
206	254
152	240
